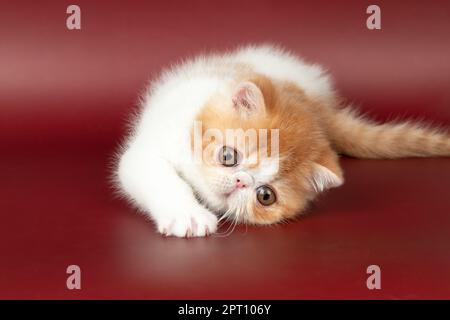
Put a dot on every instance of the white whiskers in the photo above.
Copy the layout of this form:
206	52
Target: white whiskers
235	214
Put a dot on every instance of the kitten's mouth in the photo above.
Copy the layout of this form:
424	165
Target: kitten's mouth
230	193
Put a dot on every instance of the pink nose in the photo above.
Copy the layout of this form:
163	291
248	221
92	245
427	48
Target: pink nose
240	184
243	180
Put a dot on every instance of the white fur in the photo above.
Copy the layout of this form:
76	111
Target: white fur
156	169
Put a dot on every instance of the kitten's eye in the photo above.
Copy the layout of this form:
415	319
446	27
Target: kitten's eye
228	157
265	195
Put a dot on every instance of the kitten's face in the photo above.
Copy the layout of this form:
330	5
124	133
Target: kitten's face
264	153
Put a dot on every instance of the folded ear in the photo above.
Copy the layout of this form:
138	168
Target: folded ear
248	99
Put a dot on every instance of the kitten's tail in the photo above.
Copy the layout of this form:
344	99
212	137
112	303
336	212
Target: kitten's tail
354	135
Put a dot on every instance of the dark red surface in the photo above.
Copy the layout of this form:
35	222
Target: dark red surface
64	99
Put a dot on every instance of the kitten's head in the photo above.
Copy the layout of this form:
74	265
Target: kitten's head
264	151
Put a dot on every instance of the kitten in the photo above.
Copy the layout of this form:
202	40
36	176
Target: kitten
254	88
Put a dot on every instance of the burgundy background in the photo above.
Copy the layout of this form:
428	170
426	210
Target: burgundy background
64	100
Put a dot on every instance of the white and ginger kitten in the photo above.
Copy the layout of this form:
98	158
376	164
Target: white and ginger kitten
257	88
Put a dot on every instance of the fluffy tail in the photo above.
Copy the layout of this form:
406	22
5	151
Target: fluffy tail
356	136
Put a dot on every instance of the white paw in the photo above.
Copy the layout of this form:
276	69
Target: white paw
195	224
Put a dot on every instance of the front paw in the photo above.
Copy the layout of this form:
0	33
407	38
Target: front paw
196	224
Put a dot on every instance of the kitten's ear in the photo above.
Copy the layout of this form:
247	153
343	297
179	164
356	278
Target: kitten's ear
249	100
323	178
326	172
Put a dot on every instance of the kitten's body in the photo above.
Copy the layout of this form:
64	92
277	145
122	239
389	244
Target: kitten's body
157	170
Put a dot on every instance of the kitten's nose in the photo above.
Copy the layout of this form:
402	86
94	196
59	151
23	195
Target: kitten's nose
243	180
240	184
